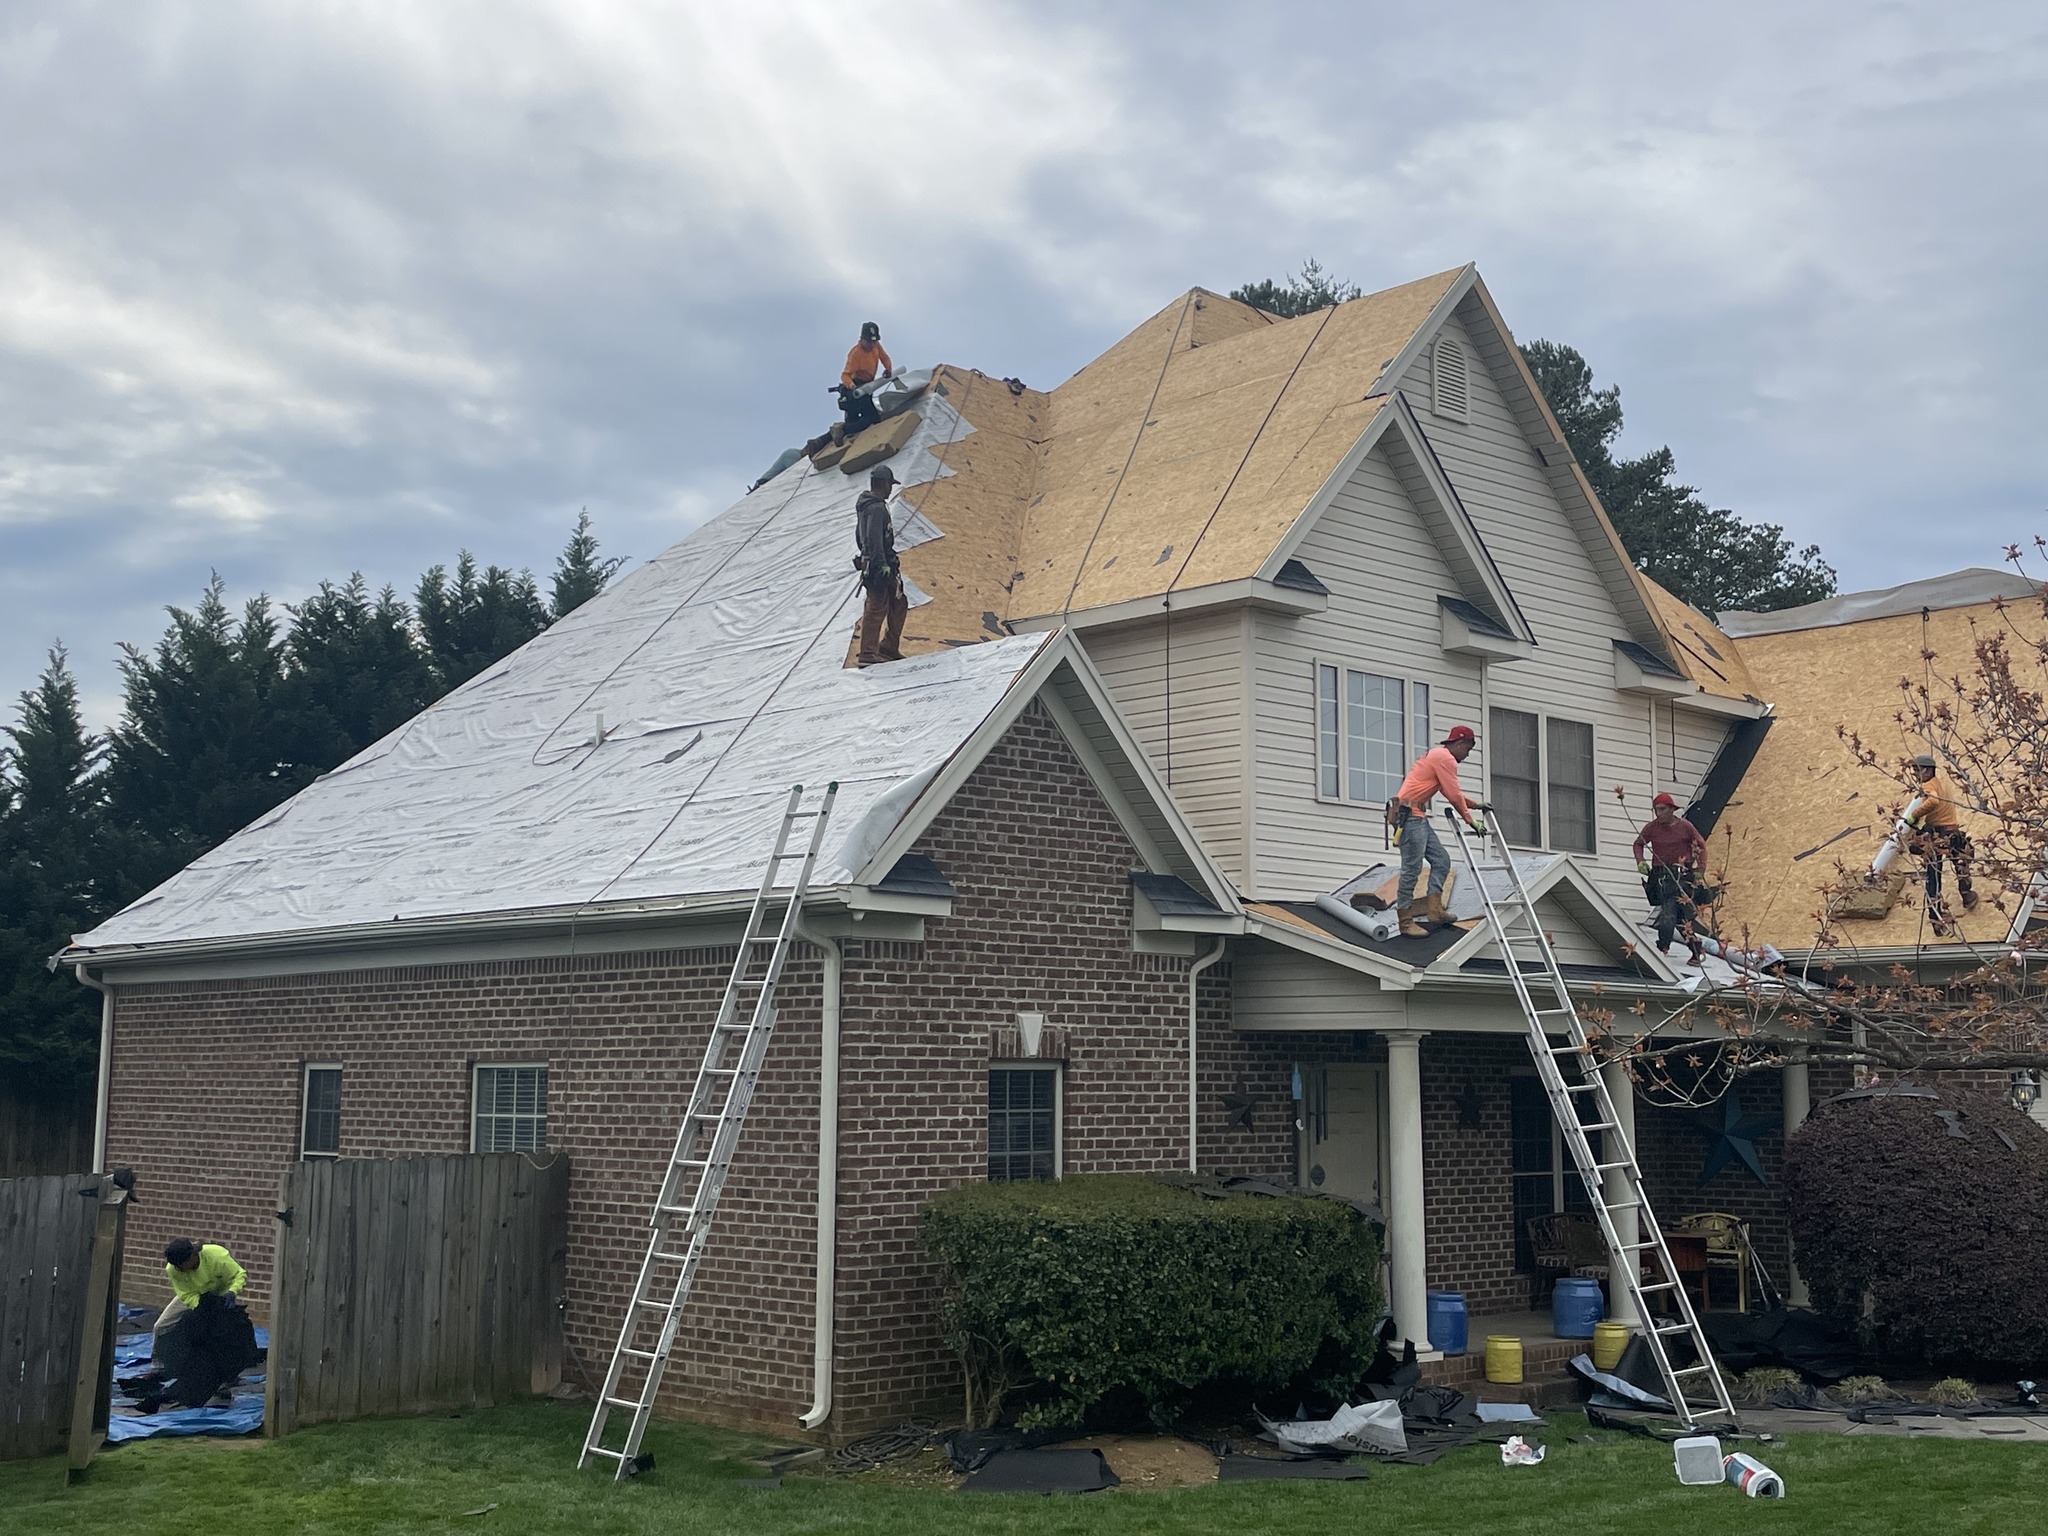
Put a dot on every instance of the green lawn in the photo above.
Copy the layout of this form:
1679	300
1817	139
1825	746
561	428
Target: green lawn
422	1474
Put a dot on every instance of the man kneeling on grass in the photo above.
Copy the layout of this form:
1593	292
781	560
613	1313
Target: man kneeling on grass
204	1338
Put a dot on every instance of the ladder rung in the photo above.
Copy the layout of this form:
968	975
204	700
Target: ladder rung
1669	1328
652	1305
1692	1370
1658	1285
671	1258
623	1402
1608	1167
639	1354
1586	1087
598	1450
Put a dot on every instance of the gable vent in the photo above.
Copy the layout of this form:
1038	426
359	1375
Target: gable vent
1451	391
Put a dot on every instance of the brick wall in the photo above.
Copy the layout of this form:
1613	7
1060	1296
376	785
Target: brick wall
206	1093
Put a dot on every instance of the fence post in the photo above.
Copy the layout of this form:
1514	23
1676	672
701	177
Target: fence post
91	1394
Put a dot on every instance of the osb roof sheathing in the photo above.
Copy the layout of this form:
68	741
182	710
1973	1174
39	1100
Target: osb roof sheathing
1180	457
1805	789
1702	652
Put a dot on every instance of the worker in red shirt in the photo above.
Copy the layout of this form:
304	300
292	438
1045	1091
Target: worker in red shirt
864	361
1671	873
1434	773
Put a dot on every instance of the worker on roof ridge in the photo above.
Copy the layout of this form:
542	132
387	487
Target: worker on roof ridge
863	361
881	621
1937	821
1671	874
1433	773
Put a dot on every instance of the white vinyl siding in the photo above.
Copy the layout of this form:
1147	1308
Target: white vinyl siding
1509	495
1198	747
1384	574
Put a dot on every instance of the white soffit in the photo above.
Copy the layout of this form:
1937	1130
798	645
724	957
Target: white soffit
718	670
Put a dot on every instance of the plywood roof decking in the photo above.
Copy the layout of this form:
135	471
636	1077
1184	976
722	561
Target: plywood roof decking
1702	652
1804	788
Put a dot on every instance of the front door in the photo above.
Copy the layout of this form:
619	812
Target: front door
1344	1131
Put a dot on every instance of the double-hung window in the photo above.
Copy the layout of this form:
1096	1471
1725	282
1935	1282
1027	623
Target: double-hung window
1364	741
1540	772
511	1109
1023	1123
320	1111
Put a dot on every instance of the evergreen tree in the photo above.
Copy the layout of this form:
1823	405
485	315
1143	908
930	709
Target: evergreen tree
354	672
579	573
1706	555
471	621
201	750
53	883
1306	292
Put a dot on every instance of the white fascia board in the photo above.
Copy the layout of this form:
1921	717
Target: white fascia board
1390	974
1701	702
862	898
1468	548
1441	311
1629	677
1248	592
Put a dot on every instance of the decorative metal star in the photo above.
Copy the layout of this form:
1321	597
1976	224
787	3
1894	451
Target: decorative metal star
1239	1107
1731	1137
1469	1106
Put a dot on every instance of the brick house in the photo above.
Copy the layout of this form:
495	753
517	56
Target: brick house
1176	624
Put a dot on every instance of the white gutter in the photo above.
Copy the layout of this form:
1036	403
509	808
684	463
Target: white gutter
825	1304
106	1082
1194	975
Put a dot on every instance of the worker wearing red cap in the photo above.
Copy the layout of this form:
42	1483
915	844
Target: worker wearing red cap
1671	872
1434	773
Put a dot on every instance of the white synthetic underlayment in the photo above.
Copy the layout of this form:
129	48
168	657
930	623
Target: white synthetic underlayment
724	654
1957	589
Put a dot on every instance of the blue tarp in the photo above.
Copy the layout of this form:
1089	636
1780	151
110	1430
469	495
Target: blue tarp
131	1357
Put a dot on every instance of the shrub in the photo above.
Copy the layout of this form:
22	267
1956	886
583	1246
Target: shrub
1759	1384
1953	1392
1117	1283
1924	1221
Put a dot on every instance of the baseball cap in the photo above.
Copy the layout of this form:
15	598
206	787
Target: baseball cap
1460	733
1664	799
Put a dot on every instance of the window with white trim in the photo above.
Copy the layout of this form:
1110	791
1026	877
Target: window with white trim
1363	741
1540	773
320	1110
1023	1122
1450	381
511	1108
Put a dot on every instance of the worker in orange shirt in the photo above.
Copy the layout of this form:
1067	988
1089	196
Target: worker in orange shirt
1434	773
864	362
1938	835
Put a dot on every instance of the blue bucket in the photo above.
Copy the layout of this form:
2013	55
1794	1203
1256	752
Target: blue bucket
1447	1321
1575	1306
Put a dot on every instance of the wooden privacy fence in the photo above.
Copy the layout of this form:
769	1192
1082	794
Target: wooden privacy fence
44	1135
60	1247
414	1284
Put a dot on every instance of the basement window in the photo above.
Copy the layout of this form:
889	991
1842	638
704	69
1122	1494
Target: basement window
1450	381
511	1108
1023	1123
320	1111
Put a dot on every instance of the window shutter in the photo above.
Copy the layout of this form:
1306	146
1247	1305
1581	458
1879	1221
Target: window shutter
1451	384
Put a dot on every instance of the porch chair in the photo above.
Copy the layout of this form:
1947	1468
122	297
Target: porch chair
1728	1247
1548	1254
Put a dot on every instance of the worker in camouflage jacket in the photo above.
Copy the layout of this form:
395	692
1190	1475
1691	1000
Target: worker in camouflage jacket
881	621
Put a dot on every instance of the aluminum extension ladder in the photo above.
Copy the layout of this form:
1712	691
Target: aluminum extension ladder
1571	1076
697	1168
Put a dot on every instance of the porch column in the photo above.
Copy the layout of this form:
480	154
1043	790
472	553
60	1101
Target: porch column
1405	1229
1795	1100
1614	1188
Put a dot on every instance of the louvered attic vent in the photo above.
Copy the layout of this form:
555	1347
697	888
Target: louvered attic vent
1450	383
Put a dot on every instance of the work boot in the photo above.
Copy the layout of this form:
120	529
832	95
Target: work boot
1410	928
1969	899
1435	911
1699	952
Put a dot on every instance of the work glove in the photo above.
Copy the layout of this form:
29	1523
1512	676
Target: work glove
1642	866
1479	824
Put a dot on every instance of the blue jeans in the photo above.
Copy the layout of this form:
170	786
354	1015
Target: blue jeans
1418	842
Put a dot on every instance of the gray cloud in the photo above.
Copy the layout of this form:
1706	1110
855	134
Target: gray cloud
288	290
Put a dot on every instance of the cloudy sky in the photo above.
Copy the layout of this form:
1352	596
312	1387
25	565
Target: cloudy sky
294	289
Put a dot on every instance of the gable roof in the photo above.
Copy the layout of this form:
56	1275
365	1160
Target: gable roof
1805	805
640	751
1701	650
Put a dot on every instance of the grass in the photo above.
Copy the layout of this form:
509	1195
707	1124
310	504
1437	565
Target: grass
420	1475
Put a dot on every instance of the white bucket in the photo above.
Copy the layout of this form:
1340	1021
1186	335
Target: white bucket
1698	1460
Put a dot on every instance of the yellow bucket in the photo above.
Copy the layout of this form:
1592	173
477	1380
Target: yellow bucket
1609	1340
1503	1357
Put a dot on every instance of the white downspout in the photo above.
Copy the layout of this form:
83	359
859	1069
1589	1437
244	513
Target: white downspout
1194	975
828	1180
106	1082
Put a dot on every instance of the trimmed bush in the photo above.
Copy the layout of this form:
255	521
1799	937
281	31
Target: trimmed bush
1114	1283
1934	1243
